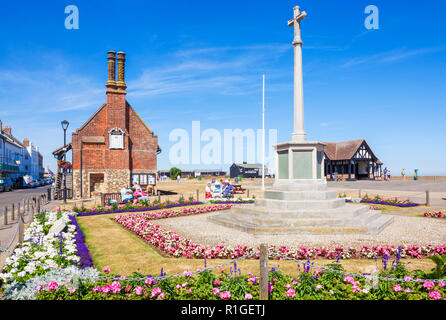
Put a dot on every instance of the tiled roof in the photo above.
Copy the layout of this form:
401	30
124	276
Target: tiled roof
342	150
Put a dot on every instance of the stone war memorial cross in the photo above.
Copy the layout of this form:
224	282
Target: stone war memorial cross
299	201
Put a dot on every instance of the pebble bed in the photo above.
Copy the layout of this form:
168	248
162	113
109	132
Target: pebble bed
404	230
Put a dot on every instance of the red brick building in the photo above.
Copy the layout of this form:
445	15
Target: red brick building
114	146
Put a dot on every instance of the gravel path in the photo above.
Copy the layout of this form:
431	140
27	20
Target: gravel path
404	230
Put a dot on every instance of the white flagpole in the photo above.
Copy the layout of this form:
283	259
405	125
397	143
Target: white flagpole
263	134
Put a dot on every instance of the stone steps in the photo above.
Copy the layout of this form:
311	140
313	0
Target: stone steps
299	204
299	195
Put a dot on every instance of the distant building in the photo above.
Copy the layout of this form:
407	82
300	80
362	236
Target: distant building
351	160
195	173
247	170
17	158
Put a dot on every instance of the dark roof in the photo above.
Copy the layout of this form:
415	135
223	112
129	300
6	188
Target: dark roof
249	165
345	150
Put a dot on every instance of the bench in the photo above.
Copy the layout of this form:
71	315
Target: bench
238	188
106	197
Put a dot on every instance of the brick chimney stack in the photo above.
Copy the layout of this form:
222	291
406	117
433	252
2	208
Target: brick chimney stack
7	129
26	142
111	69
1	126
121	72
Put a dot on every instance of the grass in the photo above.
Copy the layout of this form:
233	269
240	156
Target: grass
113	246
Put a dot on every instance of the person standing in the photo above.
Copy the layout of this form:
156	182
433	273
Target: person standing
178	178
403	174
388	175
385	173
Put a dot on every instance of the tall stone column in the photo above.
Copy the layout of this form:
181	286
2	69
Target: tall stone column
298	134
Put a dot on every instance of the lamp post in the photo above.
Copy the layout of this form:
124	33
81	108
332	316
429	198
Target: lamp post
64	124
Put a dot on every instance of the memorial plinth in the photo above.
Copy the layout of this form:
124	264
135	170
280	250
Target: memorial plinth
299	200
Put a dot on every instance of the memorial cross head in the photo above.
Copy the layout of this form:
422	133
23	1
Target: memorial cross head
298	16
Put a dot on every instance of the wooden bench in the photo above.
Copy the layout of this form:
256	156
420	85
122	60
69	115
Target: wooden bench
106	197
238	188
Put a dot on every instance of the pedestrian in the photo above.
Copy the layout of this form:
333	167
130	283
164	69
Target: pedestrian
178	178
403	174
388	175
385	173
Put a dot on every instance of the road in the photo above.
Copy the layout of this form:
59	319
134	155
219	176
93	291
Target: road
16	196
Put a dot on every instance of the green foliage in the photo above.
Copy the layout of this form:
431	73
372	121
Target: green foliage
174	172
439	271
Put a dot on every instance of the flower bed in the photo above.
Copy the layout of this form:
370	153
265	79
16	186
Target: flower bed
177	246
238	201
435	214
41	252
387	201
139	207
311	284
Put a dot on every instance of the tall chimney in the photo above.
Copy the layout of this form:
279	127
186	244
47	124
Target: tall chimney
121	71
1	126
26	142
111	83
7	129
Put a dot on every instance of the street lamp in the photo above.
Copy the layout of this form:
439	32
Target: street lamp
65	125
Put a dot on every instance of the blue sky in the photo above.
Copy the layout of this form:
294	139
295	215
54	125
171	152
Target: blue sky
203	60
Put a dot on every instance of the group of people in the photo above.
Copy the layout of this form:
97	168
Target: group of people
222	189
387	174
133	194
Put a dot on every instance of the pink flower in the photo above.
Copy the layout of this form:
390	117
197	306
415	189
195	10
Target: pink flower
138	290
397	288
156	291
291	293
434	295
318	287
106	269
408	290
39	287
96	289
178	287
248	296
217	282
161	295
115	287
52	285
149	281
428	285
407	278
226	295
441	284
71	290
356	288
349	279
215	291
106	289
288	286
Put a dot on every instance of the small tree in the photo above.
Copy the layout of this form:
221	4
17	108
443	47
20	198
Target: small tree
174	172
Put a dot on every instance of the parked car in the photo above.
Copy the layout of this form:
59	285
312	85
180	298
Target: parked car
6	184
36	183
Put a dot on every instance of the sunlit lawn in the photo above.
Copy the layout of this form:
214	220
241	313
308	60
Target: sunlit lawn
112	245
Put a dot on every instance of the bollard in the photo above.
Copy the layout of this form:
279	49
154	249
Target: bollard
263	272
13	212
5	216
198	193
359	193
38	206
21	228
247	191
427	198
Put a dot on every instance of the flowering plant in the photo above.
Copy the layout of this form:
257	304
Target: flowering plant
41	251
64	164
